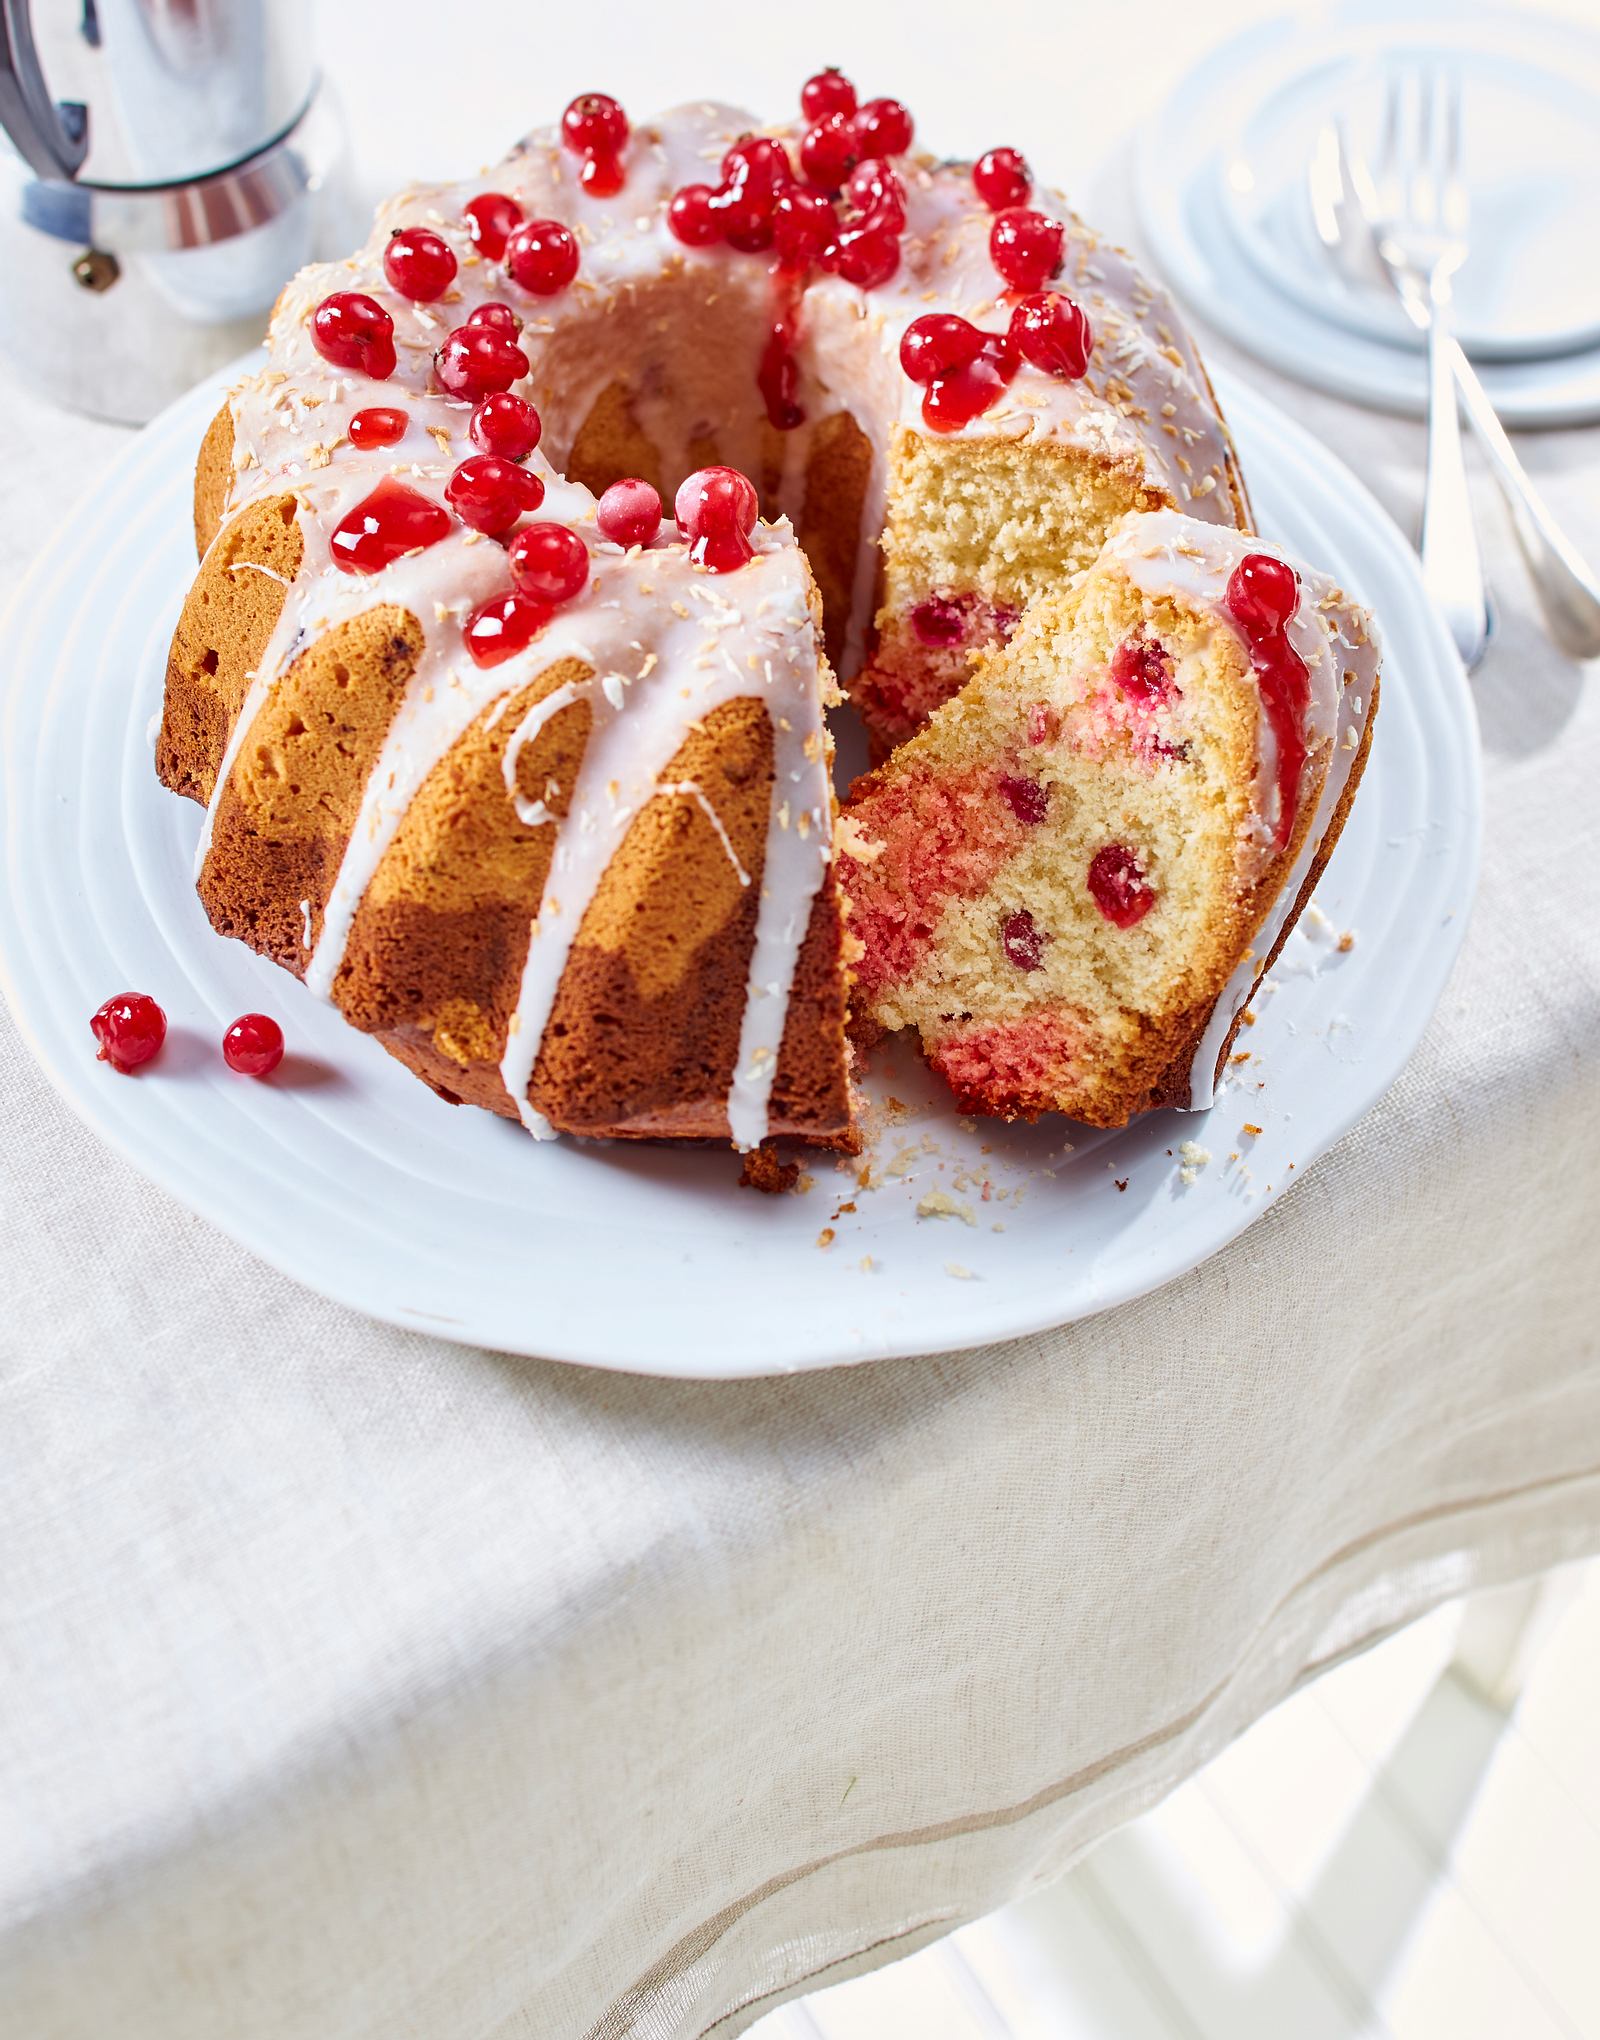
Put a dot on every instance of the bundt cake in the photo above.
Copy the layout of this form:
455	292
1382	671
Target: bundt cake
1070	880
534	784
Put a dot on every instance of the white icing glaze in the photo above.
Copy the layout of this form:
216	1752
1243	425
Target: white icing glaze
1144	404
1164	553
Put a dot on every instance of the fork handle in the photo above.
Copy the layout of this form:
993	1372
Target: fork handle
1568	592
1451	566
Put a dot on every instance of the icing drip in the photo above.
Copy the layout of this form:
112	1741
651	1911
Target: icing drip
723	656
665	645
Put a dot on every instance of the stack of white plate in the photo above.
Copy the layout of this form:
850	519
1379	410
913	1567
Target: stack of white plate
1223	198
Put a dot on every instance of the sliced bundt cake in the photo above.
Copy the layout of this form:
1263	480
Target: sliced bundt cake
1069	881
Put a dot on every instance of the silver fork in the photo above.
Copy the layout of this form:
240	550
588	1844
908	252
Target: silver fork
1415	202
1348	211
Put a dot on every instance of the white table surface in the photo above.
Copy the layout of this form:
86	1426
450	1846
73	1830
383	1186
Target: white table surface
356	1684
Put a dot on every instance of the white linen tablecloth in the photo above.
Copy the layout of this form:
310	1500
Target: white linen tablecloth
353	1684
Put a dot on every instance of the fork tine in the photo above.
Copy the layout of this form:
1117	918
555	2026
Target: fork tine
1451	80
1389	130
1423	207
1454	185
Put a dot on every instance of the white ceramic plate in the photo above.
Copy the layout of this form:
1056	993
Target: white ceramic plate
346	1173
1220	184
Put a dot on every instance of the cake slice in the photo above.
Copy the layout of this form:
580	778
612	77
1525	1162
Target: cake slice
1069	882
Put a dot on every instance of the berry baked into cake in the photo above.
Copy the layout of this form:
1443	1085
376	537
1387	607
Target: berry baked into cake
533	780
1069	881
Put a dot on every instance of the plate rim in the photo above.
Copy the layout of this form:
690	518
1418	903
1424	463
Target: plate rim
878	1338
1317	351
1375	314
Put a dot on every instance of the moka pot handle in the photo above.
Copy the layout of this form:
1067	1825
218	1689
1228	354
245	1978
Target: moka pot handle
51	137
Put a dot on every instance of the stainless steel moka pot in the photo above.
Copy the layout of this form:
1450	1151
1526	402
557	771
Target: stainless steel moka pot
171	164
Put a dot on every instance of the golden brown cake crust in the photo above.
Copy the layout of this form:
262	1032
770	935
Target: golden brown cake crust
646	1026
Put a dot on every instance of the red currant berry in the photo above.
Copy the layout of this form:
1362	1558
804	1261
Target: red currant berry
629	513
866	256
490	217
876	191
829	151
130	1029
353	331
595	124
883	128
693	216
383	425
549	562
744	216
939	621
759	162
1023	940
1262	593
419	264
595	127
1054	334
1026	247
830	91
253	1045
542	255
803	224
1002	179
503	626
498	318
490	494
716	510
962	394
507	425
477	360
1118	886
1142	668
386	525
938	343
1026	798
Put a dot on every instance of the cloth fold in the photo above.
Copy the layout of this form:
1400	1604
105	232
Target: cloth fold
355	1684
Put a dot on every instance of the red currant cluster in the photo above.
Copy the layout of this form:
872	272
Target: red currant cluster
131	1028
844	211
964	370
